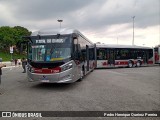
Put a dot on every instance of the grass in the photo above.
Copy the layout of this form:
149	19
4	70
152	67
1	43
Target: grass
6	56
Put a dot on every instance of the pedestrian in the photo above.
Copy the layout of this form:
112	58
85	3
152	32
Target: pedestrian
1	65
19	61
15	61
24	63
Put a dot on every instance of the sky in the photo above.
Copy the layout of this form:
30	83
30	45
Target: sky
105	21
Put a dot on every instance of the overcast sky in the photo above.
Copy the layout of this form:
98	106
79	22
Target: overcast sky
105	21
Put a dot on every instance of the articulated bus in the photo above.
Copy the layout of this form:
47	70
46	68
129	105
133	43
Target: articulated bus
157	54
123	56
59	56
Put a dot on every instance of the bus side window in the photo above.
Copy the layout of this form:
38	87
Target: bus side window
117	54
101	54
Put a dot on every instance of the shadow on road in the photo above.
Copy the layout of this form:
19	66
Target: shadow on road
55	86
126	67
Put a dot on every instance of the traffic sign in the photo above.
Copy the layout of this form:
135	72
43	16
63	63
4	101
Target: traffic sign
11	49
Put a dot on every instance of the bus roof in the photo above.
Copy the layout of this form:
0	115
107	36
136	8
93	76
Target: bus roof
54	31
61	31
120	46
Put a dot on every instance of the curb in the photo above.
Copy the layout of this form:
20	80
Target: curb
8	63
10	67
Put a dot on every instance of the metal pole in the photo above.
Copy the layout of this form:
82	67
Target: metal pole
60	22
159	23
11	56
133	31
11	59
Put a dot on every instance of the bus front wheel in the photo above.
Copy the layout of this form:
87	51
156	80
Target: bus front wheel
82	74
138	64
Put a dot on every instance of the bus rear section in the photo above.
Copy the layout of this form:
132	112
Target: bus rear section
157	54
123	56
56	57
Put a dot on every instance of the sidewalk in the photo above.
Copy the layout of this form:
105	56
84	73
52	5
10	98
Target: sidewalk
8	63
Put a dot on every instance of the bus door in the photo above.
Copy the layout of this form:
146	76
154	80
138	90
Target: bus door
87	57
76	57
145	56
111	57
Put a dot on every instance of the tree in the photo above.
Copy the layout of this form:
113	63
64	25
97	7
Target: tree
6	37
19	32
10	36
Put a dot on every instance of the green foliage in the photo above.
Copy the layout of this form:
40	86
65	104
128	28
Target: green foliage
12	36
6	36
6	56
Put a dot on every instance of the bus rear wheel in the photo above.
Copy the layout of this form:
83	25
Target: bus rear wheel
130	64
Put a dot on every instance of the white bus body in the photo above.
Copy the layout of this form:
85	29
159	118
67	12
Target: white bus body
157	54
123	56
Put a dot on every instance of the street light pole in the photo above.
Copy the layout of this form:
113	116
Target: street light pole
60	22
133	31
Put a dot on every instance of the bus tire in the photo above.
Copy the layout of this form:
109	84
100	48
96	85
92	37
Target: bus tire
138	64
130	64
82	75
79	80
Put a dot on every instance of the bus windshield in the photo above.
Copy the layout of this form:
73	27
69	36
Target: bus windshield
49	48
53	52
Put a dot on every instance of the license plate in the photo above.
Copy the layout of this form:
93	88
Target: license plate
44	80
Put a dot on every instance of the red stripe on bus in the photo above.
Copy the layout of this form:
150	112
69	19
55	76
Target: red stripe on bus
47	71
121	63
150	62
104	63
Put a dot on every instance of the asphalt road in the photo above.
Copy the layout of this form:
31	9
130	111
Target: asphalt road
120	89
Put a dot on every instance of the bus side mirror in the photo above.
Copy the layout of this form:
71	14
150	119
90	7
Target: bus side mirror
76	55
78	47
72	56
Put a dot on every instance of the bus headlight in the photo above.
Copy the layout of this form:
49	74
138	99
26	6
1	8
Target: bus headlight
67	67
32	70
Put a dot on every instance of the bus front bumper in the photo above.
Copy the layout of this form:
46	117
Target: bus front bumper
63	77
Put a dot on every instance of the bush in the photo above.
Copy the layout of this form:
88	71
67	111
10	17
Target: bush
7	56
